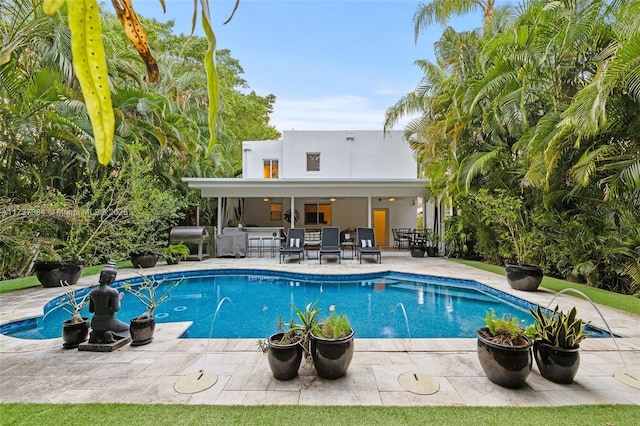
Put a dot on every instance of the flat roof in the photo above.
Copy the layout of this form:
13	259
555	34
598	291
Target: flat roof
308	187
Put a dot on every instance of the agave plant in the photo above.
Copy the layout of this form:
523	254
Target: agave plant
298	331
557	328
307	320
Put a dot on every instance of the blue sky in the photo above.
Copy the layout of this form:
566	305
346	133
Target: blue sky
332	64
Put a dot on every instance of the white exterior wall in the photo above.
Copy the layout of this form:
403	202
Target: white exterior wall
255	152
343	155
370	154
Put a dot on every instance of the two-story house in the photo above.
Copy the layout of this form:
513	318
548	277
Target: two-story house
311	179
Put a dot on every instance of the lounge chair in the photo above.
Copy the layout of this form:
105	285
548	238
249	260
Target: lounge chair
330	242
295	244
366	244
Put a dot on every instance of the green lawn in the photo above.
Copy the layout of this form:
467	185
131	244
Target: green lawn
26	282
158	415
623	302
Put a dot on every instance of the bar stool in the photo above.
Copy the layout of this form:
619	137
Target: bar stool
267	244
255	245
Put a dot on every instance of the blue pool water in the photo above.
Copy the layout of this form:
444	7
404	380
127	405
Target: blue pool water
249	302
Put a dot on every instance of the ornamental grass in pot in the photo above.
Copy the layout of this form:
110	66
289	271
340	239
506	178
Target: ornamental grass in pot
557	338
332	346
504	351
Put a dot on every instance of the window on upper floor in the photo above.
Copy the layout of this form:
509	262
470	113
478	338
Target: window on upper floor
313	161
270	169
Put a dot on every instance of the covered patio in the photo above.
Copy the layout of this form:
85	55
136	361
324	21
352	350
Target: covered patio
382	204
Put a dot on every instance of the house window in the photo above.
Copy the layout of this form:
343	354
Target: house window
313	161
270	169
276	211
317	214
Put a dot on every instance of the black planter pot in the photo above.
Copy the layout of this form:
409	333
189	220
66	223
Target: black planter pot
143	260
524	277
507	366
174	260
331	357
559	365
74	333
142	330
50	273
417	251
432	251
284	360
578	279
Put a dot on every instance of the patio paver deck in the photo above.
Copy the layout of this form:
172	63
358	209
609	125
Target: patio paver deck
42	371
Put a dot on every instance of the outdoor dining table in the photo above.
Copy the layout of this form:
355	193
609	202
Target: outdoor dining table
414	236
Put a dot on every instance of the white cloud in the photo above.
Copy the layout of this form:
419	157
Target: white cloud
342	112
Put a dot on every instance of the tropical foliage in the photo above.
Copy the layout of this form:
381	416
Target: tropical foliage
542	105
54	193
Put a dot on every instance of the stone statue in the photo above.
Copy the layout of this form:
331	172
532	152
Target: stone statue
104	302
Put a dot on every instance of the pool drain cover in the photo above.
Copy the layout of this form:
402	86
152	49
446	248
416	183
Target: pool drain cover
628	378
196	382
418	383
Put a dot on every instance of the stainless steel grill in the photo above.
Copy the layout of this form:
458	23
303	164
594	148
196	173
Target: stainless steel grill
192	236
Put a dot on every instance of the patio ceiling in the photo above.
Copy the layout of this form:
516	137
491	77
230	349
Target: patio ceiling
307	187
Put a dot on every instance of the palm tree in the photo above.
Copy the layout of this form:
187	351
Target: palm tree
441	11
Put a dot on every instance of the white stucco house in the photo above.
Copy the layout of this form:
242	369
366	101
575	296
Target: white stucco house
310	179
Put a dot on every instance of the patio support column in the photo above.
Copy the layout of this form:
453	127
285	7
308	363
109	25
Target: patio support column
293	211
219	215
369	211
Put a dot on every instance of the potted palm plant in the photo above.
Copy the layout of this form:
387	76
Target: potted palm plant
76	329
504	351
147	292
508	218
332	346
174	253
557	343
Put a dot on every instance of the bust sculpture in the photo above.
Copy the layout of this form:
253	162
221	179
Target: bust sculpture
104	302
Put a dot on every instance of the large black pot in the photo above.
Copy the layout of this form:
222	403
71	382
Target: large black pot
331	357
284	360
524	277
507	366
417	251
559	365
139	260
51	272
141	330
432	251
174	260
74	333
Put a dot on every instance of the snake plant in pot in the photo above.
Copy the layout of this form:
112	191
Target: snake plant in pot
557	343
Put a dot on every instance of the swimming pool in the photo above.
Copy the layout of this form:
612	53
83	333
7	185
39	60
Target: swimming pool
236	303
